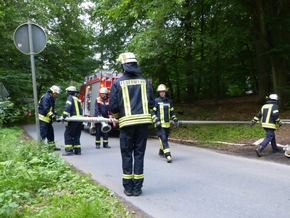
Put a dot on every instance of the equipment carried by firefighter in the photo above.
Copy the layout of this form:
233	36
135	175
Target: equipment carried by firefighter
96	83
106	127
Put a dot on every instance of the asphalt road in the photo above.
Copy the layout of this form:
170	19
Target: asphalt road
199	183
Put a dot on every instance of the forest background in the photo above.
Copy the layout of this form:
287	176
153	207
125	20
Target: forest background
201	49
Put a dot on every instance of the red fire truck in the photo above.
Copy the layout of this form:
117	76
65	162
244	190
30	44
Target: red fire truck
89	91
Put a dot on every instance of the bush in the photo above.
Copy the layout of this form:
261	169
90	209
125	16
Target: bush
8	113
35	182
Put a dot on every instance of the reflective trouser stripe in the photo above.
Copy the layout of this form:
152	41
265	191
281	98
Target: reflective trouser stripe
127	176
138	176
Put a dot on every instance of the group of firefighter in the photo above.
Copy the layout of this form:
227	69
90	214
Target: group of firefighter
131	101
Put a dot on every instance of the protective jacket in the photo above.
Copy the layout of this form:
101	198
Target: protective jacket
73	107
131	100
46	108
163	111
269	115
102	107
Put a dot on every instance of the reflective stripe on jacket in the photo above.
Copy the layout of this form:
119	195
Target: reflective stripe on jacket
131	98
269	115
73	107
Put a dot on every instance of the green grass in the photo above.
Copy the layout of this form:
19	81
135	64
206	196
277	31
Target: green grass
204	133
210	133
35	182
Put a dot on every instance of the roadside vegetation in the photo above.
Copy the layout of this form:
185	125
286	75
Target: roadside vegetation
35	182
226	109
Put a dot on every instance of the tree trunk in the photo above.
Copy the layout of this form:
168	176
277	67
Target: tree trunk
262	47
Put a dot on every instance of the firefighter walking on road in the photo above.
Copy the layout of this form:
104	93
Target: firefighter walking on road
131	99
269	118
102	109
73	130
162	113
47	115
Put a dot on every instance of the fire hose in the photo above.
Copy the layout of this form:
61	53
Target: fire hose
113	120
106	127
108	120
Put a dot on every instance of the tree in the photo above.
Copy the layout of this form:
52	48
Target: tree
271	29
68	55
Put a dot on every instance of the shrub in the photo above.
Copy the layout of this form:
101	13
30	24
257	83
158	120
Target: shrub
8	112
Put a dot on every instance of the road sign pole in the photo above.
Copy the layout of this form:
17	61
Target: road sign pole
33	80
30	39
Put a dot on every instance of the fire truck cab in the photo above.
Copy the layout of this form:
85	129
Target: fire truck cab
89	91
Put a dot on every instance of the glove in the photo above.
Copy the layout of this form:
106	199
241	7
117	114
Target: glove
280	123
158	124
154	119
52	117
252	123
63	118
176	124
58	118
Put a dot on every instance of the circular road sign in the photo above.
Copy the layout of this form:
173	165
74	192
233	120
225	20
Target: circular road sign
22	38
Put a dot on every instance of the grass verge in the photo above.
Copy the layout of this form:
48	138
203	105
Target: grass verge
35	182
203	133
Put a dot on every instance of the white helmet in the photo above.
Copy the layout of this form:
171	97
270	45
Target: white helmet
104	90
55	89
273	97
71	89
127	57
161	88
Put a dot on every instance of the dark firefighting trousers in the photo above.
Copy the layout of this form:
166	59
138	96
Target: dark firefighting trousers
163	134
99	133
270	137
133	141
72	136
47	132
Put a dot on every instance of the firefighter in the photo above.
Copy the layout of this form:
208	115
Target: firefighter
131	98
162	113
102	110
269	118
47	115
72	134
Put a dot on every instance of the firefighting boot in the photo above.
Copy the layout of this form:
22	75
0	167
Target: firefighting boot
68	152
259	151
169	159
161	153
77	151
106	146
105	143
98	146
52	147
277	149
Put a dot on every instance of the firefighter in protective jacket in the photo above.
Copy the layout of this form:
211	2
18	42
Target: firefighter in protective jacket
46	115
269	118
162	113
131	98
102	109
72	134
